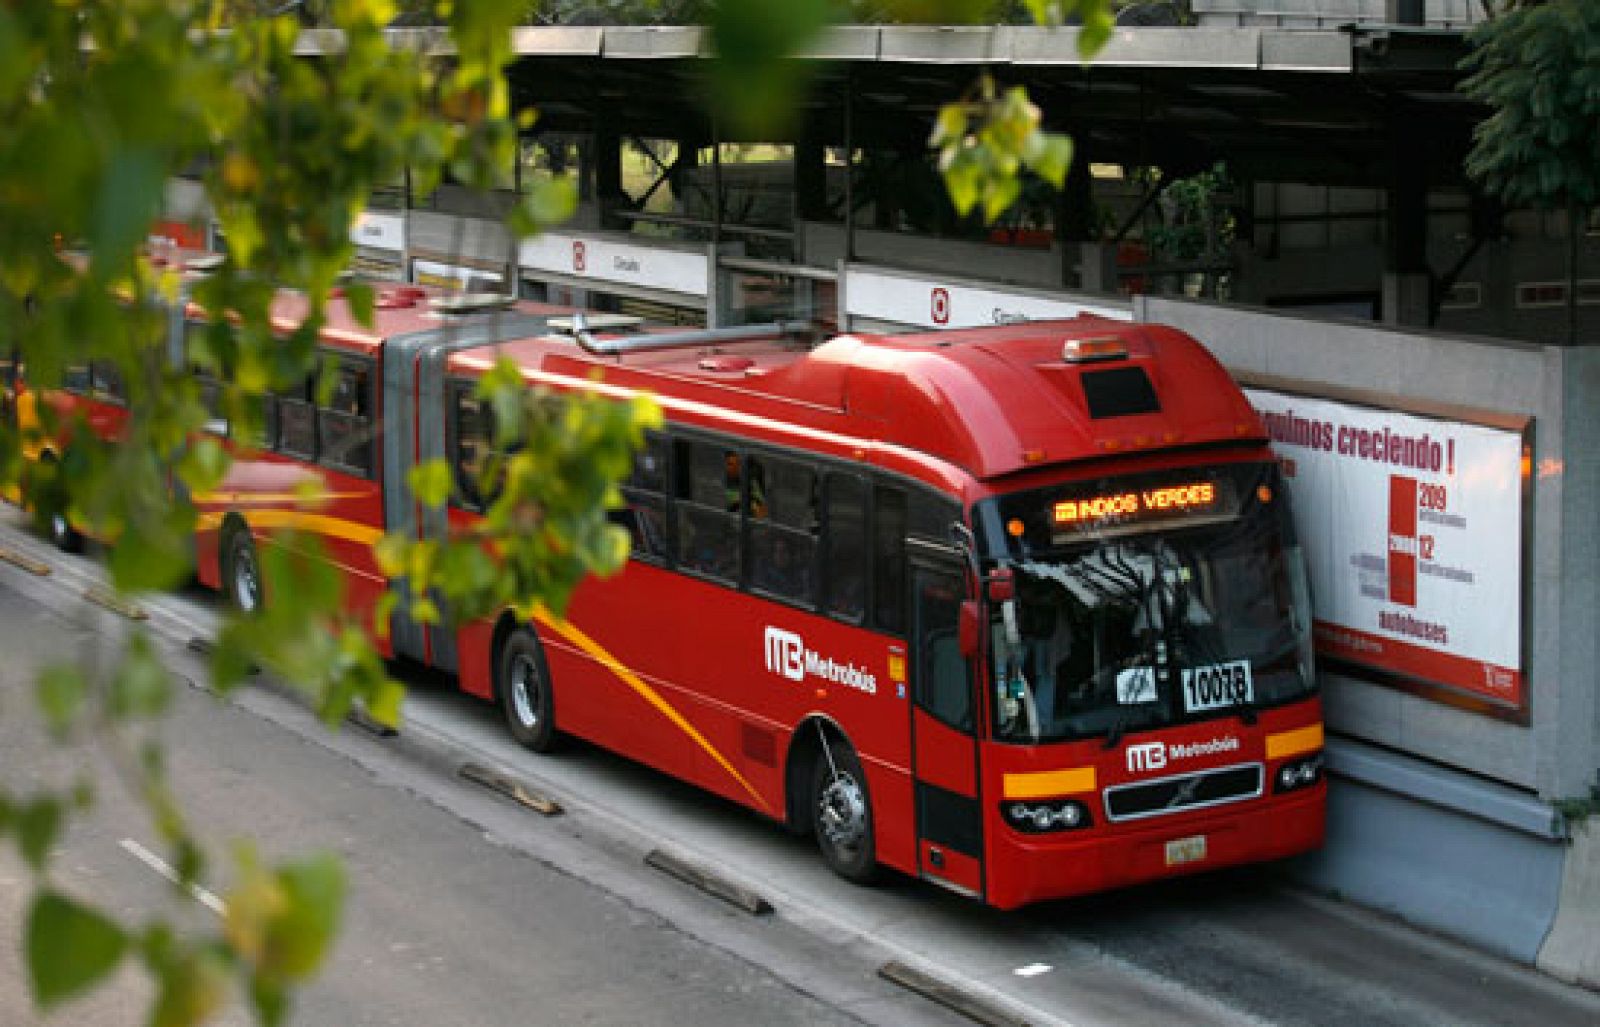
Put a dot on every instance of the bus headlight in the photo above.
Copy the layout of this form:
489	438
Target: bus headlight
1048	815
1302	773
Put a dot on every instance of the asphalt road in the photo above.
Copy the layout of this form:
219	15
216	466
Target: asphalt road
467	908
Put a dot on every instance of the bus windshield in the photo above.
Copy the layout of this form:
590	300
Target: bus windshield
1145	602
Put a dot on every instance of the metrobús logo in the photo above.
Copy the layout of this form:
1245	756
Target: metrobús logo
788	655
1156	755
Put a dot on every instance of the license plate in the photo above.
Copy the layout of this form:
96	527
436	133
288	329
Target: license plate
1186	850
1217	686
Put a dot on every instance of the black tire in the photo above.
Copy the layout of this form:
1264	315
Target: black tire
241	572
525	696
50	508
841	813
62	534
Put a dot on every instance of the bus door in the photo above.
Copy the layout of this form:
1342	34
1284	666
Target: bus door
944	717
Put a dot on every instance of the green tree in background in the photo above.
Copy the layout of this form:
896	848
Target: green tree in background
1537	67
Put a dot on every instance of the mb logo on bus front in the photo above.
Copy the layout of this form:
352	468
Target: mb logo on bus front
786	654
1148	756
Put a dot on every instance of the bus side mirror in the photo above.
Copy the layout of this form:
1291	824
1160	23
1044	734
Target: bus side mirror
970	620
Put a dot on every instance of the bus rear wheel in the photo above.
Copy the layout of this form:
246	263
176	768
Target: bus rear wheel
525	697
51	509
841	810
242	572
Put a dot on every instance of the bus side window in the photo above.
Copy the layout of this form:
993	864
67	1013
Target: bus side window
708	534
783	529
207	381
846	546
469	446
889	559
345	424
297	423
75	379
105	380
211	398
645	517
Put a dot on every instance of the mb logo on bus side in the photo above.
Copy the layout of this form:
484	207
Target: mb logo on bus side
1148	756
786	654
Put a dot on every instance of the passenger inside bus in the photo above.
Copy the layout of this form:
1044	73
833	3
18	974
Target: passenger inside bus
781	570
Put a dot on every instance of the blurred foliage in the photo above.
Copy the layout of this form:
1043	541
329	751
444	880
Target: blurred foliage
1537	67
105	101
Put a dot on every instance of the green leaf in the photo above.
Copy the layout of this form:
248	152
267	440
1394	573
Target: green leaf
70	947
193	987
430	482
359	296
62	690
300	935
1098	26
1052	157
129	198
204	464
37	824
149	557
141	687
385	700
548	202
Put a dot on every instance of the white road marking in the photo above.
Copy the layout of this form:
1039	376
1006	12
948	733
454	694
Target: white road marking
161	867
1033	969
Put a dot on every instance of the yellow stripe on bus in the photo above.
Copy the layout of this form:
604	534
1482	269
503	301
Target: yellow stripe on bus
320	524
596	651
1293	743
207	498
1049	783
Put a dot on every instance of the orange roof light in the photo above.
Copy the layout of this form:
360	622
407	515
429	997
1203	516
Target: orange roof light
1083	351
1015	527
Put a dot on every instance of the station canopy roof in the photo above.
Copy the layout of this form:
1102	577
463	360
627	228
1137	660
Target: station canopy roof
1333	106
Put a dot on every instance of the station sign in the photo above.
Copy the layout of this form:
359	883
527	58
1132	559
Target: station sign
379	231
1412	528
938	303
607	260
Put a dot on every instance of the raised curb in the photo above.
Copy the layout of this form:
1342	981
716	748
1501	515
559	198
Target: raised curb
1571	952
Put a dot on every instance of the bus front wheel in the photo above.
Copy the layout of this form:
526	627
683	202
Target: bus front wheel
525	692
841	811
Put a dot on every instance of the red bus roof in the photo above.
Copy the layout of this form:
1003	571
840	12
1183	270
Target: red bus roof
398	309
992	401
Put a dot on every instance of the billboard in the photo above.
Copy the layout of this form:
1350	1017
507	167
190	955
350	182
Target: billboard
1412	528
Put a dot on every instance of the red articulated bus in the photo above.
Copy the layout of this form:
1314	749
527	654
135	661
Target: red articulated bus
1018	610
